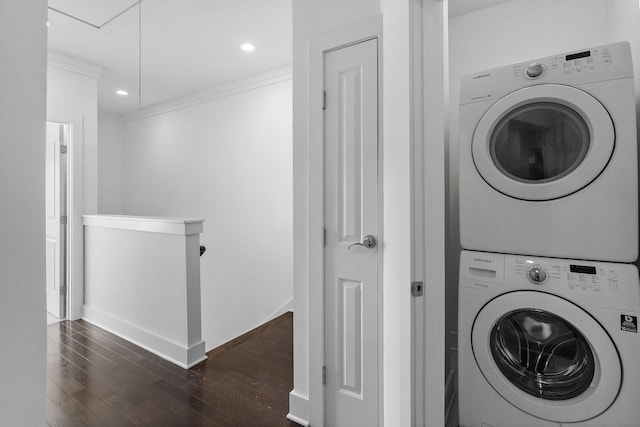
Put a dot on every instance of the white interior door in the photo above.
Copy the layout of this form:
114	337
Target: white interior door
351	210
55	173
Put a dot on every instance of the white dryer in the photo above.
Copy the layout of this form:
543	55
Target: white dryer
547	342
548	157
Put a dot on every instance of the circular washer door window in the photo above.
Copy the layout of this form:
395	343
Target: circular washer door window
543	142
546	356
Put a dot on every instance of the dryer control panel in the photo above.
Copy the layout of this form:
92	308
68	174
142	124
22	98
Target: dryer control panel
578	62
593	65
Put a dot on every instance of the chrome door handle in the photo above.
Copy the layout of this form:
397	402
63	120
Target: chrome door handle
368	242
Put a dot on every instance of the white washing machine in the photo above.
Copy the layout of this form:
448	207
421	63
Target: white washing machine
547	342
548	157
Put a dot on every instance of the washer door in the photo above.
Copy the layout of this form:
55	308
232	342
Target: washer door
543	142
557	367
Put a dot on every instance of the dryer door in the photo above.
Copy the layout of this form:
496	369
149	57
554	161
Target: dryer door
546	356
543	142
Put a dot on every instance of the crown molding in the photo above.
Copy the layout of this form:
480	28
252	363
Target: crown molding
73	65
216	92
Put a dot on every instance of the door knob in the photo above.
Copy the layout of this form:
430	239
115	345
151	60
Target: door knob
368	242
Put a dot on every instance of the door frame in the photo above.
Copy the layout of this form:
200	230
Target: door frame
61	170
75	206
345	36
429	92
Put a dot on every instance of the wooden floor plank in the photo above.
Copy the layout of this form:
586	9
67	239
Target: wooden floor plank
98	379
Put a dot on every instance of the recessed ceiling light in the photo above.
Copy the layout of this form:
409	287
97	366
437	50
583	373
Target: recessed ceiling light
248	47
122	92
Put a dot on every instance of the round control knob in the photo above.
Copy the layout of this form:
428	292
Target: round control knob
534	70
537	274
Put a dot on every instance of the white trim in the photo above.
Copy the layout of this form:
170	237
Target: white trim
430	88
75	203
177	226
185	357
352	33
216	92
74	65
284	308
298	409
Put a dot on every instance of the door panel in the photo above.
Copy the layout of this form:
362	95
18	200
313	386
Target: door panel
55	184
351	213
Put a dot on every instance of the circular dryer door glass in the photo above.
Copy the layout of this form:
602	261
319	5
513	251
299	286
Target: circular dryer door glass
543	142
539	142
542	354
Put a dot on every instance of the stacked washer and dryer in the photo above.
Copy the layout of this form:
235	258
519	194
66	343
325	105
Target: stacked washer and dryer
548	298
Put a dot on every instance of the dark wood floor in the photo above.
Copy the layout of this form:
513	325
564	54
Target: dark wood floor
97	379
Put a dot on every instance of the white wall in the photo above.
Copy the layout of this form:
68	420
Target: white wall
72	98
110	164
224	156
142	283
514	32
23	47
72	89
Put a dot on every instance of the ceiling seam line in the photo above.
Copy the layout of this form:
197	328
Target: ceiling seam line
97	27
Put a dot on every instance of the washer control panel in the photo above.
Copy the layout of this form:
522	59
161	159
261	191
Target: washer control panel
585	283
578	277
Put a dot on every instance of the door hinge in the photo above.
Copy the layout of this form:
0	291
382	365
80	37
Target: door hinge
417	289
63	149
63	219
324	100
63	290
324	237
324	375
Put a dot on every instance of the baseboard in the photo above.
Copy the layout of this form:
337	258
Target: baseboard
287	306
298	409
185	357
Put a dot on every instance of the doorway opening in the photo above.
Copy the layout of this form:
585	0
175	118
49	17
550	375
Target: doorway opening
56	185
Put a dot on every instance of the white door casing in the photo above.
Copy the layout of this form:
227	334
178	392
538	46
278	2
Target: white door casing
55	185
350	214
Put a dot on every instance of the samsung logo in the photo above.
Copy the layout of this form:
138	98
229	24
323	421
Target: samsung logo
482	260
481	76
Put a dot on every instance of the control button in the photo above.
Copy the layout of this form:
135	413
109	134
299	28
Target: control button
572	285
606	60
537	274
612	274
596	287
613	285
567	64
534	70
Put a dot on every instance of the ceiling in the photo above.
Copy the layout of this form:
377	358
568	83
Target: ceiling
185	45
180	46
460	7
